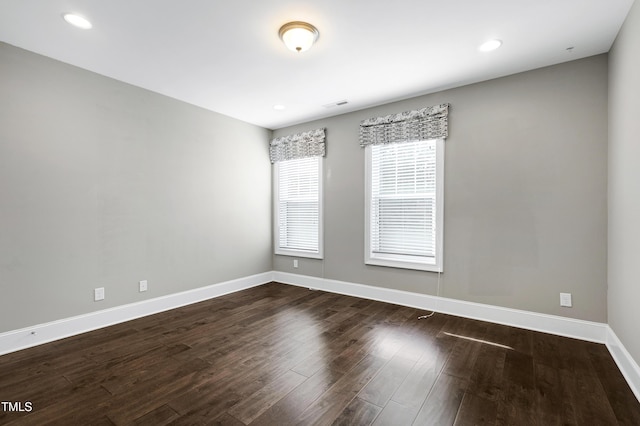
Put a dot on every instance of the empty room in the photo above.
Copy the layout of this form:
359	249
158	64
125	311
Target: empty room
319	212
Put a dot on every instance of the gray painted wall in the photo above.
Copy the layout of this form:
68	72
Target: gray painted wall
525	194
103	184
624	184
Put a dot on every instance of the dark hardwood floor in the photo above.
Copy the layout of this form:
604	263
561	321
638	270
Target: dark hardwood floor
283	355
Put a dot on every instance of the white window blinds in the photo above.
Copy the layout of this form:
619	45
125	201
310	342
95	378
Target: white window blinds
298	206
403	199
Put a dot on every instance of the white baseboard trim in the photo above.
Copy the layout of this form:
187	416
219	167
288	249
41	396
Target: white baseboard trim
628	367
16	340
562	326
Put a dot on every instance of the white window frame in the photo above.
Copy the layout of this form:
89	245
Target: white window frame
399	260
276	216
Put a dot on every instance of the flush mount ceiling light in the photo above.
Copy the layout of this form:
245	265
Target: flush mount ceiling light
298	36
490	45
77	21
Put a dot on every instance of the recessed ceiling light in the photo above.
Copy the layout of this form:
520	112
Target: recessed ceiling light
77	21
490	45
278	107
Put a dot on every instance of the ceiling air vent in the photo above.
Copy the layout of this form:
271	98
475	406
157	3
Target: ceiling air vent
335	104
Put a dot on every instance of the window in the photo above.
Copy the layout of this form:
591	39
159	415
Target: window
298	207
404	183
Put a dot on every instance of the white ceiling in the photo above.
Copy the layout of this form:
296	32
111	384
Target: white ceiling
227	57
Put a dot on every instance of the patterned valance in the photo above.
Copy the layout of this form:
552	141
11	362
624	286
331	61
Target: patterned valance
300	145
423	124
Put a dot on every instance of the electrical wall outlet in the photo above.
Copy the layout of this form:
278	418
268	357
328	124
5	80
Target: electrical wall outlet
98	294
295	263
143	285
565	299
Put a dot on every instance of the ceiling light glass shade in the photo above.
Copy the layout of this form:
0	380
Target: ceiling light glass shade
490	45
298	36
77	21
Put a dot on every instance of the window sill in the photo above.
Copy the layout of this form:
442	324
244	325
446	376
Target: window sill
404	264
298	253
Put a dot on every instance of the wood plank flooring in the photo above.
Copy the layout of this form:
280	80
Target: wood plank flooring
283	355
